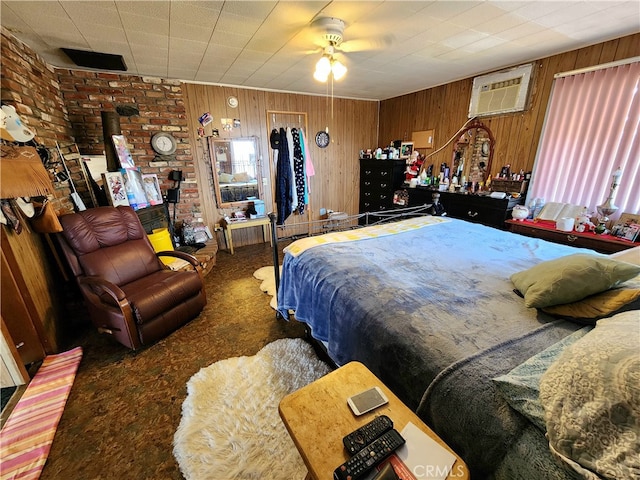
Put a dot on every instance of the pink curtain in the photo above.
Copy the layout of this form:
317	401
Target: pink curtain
591	129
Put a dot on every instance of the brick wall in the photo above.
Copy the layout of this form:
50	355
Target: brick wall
63	105
31	86
160	103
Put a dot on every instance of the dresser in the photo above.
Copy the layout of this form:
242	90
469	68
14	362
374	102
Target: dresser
378	180
474	208
546	230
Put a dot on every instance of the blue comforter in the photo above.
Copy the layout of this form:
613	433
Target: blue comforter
411	305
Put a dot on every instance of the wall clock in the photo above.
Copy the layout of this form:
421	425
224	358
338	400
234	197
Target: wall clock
164	143
232	102
322	139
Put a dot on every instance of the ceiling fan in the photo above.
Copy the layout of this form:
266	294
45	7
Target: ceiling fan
332	44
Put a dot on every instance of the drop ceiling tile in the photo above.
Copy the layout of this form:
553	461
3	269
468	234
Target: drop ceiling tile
479	14
95	13
231	23
187	47
253	9
190	32
228	39
464	38
104	33
150	9
500	24
537	9
193	14
182	73
145	25
448	10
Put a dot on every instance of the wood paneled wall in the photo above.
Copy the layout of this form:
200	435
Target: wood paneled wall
445	108
335	185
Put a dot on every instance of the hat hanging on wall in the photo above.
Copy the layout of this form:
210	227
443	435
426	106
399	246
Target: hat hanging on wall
11	127
274	139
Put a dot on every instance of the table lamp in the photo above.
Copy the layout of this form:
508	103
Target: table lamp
608	208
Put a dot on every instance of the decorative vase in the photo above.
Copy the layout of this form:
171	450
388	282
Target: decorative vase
519	212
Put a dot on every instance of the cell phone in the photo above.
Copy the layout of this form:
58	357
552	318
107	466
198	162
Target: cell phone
366	401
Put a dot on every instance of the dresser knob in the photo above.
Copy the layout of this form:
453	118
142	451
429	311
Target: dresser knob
571	238
472	214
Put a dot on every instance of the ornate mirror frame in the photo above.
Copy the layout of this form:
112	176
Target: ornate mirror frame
472	153
236	169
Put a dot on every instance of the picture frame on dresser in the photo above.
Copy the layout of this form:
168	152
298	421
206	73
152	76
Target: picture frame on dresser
406	149
627	227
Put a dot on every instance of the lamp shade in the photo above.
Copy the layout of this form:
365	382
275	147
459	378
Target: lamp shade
338	69
323	69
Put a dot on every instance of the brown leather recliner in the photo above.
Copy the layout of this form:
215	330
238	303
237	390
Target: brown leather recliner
128	291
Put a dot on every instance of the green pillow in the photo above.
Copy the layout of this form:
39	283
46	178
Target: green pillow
571	278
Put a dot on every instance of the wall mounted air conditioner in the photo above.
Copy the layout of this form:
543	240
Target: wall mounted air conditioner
501	92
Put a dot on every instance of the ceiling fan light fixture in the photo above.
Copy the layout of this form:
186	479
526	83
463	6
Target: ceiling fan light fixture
338	69
323	69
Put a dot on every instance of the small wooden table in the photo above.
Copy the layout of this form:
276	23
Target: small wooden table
229	227
317	417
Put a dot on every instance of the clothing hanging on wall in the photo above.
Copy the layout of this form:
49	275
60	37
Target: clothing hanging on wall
293	168
299	174
283	179
294	193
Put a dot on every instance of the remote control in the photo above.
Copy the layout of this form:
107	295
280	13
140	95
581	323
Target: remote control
370	456
360	438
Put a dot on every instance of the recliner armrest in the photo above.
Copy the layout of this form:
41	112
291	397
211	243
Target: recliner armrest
182	255
105	286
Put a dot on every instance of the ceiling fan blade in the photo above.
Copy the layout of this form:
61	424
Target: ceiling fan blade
374	43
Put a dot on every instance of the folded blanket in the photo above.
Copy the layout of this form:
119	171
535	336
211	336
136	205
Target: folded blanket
299	246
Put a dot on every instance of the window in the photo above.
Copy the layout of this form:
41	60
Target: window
591	130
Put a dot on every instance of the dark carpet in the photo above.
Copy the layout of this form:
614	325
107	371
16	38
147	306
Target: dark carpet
125	406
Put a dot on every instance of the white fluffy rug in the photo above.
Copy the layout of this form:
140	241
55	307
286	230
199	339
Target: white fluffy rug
268	284
230	426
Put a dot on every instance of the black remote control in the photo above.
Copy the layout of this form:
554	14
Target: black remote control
360	438
370	456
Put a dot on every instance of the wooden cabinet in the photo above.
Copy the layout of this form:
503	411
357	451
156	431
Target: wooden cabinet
31	308
546	231
474	208
378	180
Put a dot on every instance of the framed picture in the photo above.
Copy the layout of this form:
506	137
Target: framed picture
406	149
114	189
152	188
120	144
627	227
135	190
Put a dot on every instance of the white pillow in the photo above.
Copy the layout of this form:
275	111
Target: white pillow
631	255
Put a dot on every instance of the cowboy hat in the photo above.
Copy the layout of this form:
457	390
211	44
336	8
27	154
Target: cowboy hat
12	128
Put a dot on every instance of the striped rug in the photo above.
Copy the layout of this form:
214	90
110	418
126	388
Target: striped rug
26	438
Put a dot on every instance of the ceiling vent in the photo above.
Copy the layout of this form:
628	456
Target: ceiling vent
501	92
101	61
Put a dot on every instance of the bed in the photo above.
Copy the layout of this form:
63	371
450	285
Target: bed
239	191
428	305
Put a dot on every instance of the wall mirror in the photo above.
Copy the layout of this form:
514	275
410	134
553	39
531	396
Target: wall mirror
472	154
237	174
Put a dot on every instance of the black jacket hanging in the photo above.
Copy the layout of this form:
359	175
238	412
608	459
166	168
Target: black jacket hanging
284	179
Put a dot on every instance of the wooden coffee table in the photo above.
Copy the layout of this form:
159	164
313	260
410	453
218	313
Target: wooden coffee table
317	417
